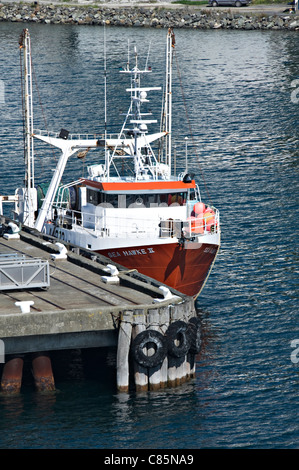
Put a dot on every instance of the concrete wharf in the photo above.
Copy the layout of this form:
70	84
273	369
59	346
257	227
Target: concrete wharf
81	308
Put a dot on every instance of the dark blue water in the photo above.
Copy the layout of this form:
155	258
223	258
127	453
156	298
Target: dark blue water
243	110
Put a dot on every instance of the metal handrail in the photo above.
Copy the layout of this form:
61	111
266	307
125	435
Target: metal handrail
105	225
42	132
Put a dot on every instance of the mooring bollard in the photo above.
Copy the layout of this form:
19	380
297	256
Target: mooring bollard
42	372
12	374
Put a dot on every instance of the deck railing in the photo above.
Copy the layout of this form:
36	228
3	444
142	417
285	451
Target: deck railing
45	133
136	227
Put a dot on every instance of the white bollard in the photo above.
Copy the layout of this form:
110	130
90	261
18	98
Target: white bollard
62	252
25	305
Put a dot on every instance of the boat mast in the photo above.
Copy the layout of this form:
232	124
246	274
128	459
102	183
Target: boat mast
170	43
138	132
28	217
105	102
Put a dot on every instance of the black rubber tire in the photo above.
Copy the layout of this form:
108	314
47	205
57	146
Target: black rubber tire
195	335
149	338
178	330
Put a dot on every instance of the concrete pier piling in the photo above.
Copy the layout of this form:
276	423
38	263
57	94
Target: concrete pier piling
155	373
123	349
164	323
12	374
140	372
42	372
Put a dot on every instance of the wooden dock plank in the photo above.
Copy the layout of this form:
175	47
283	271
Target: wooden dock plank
71	286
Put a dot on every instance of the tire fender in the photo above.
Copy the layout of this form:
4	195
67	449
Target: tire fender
149	338
178	339
195	335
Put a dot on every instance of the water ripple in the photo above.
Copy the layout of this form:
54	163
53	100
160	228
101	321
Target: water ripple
245	142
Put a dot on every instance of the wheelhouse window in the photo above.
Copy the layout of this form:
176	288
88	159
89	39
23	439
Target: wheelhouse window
97	197
156	200
138	200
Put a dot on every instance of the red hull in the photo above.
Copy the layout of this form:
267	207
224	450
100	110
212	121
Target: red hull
179	267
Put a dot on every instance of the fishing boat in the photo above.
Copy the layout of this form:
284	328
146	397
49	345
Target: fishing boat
130	207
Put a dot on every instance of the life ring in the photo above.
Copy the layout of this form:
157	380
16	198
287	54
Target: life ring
178	339
149	338
195	335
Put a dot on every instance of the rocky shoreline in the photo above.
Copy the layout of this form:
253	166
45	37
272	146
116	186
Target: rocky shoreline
152	15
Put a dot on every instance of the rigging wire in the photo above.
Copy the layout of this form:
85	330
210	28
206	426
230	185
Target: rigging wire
21	46
41	105
189	125
22	94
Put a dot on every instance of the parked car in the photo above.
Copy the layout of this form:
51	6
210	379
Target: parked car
234	3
